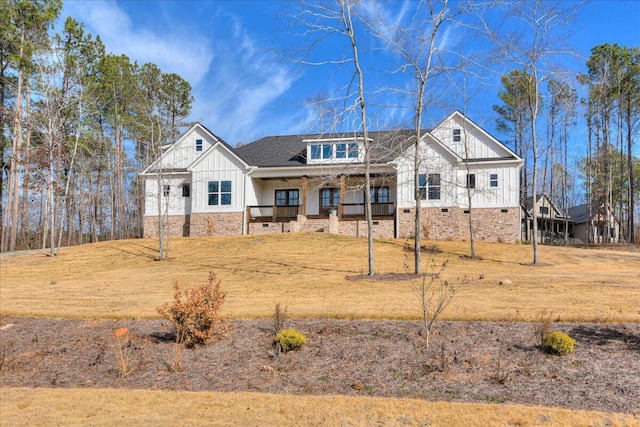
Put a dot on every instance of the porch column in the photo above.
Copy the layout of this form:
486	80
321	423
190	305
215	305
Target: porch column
304	196
342	187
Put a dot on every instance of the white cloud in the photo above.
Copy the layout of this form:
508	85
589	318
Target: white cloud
237	97
169	50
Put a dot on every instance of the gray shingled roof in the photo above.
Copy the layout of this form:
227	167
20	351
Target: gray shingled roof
291	150
579	214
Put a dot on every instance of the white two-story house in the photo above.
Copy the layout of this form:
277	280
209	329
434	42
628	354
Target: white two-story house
201	185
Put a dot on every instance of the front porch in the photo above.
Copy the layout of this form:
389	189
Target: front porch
333	205
344	212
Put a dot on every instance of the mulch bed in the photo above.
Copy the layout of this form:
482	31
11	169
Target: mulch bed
466	361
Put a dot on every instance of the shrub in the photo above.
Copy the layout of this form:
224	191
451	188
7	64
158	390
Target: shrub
557	342
290	339
542	327
122	342
279	317
197	318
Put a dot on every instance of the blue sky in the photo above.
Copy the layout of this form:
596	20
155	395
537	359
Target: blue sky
234	55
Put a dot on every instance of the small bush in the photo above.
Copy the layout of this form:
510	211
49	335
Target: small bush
557	342
290	339
123	340
279	317
197	318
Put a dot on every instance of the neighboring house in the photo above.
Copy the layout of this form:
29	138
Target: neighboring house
552	222
583	225
594	224
315	183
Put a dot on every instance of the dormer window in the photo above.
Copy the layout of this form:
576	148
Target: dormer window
456	135
321	151
337	150
198	145
347	151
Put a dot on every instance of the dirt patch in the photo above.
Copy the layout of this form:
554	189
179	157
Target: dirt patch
474	361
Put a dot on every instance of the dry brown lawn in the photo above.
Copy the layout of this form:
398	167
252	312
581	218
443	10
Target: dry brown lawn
102	407
313	274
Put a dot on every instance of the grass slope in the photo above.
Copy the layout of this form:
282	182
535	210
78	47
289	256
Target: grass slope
309	274
102	407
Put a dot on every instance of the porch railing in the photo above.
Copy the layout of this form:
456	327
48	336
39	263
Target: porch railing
356	210
273	213
346	212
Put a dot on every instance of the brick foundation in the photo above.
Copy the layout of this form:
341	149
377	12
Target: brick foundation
179	226
382	229
269	227
197	225
490	224
216	224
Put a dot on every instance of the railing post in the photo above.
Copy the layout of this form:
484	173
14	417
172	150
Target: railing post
274	214
248	218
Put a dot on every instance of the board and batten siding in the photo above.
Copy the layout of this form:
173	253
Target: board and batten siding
453	177
435	160
183	153
174	204
485	196
478	144
218	165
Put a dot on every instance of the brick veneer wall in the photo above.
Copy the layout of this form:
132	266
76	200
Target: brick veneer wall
198	225
179	225
269	227
490	224
216	224
381	228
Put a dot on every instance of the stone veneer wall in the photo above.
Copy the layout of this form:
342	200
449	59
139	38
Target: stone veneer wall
490	224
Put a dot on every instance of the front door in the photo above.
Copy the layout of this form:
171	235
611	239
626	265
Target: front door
287	203
329	200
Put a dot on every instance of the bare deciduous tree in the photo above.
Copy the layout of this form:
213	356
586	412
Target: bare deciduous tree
532	41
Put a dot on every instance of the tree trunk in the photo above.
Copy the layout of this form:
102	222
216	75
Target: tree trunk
24	229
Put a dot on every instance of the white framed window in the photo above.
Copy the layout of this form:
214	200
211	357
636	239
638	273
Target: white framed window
219	193
327	151
429	186
457	135
166	190
347	151
493	180
199	145
433	184
321	151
